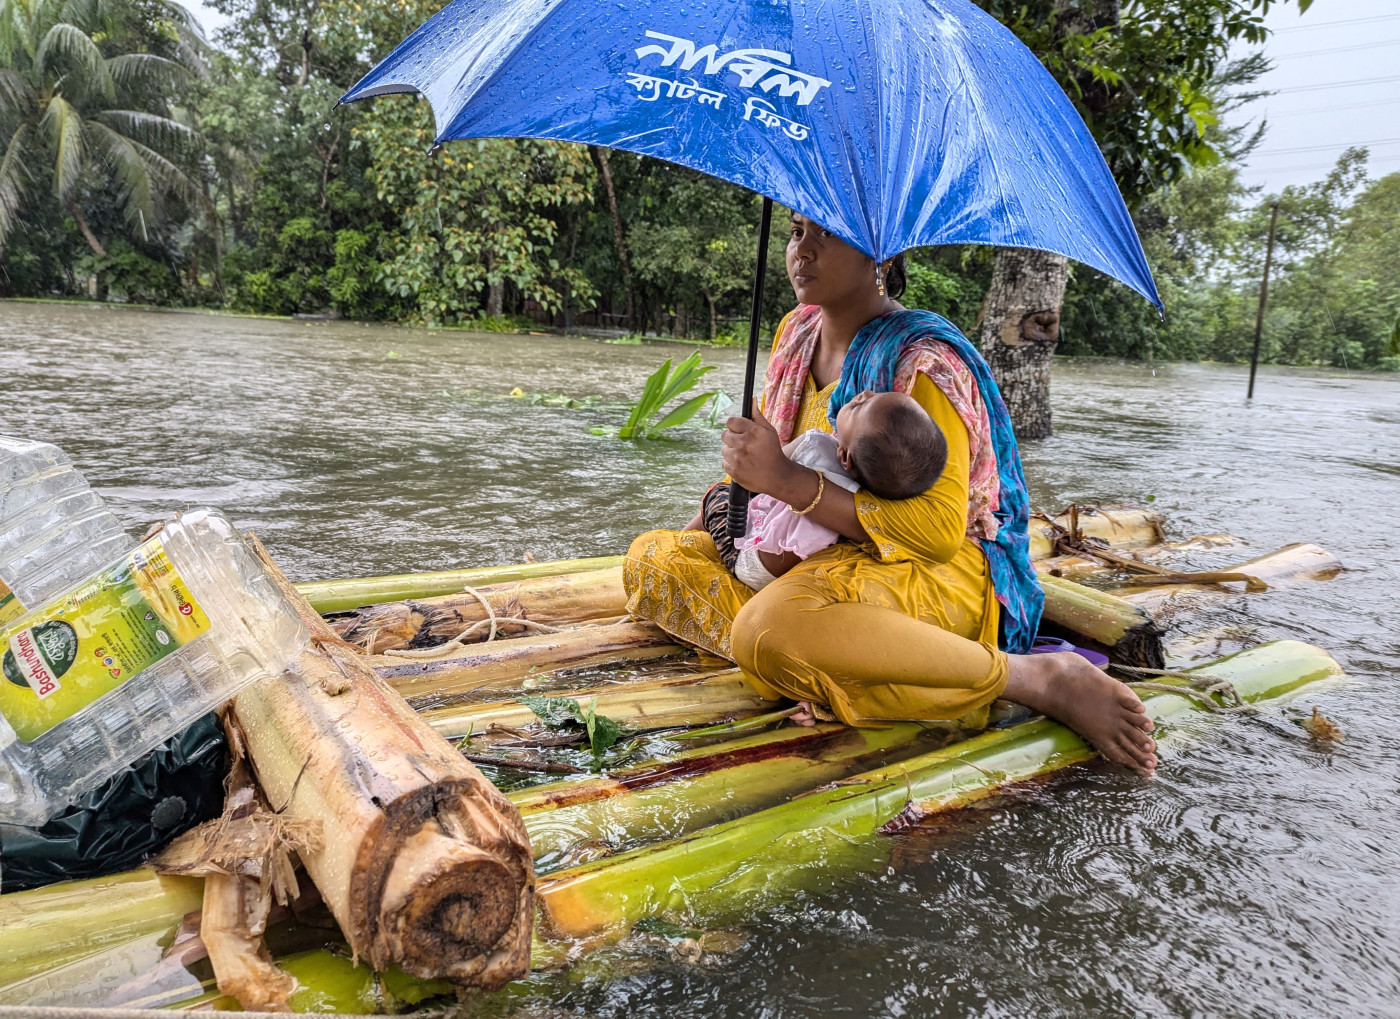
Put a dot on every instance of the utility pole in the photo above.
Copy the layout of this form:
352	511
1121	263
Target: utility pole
1263	298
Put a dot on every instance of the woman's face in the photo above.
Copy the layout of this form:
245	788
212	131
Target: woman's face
825	270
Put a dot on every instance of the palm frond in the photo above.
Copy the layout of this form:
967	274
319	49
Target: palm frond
133	70
87	14
150	129
64	127
122	159
16	95
12	174
68	44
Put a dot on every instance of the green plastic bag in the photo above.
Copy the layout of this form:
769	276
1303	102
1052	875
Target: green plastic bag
128	818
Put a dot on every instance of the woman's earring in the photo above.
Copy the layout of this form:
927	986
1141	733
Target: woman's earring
879	279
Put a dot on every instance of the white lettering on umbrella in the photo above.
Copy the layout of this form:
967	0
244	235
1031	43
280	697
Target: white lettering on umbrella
766	69
768	117
673	89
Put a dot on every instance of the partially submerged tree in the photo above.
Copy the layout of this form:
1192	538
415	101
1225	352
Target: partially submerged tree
1138	71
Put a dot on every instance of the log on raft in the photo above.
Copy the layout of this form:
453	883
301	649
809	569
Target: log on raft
1103	621
556	601
1297	562
574	596
328	596
732	871
703	699
570	822
1119	526
500	665
424	864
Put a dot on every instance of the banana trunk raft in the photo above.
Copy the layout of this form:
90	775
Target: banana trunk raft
705	808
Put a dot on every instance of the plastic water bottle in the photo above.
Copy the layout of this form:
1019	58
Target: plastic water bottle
54	530
117	664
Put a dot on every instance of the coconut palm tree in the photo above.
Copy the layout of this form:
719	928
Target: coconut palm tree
86	102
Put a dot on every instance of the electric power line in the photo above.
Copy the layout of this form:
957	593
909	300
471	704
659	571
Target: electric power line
1338	84
1330	109
1329	24
1324	148
1310	166
1337	49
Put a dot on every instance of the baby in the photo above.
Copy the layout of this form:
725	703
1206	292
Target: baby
885	443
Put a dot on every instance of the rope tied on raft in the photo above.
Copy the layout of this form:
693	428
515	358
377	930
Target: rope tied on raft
1202	690
459	642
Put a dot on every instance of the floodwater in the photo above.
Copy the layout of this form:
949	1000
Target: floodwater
1258	875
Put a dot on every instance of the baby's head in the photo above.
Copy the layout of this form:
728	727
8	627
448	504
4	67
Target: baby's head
890	444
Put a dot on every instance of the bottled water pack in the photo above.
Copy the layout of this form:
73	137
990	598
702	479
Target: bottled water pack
105	655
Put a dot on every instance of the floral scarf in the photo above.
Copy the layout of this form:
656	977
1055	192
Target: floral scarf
888	354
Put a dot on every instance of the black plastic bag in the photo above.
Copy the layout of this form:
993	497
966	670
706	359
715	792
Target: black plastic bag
126	819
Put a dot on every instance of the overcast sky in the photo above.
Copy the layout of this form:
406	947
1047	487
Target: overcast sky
1336	80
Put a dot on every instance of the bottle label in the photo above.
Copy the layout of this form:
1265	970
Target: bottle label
83	644
10	608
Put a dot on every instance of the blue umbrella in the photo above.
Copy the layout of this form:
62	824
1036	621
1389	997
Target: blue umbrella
892	123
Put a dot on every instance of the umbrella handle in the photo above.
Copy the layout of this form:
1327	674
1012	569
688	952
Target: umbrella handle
738	495
738	510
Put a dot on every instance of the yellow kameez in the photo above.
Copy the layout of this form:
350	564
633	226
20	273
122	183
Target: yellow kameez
901	627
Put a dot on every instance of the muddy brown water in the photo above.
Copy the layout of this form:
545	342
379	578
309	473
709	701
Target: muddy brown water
1258	875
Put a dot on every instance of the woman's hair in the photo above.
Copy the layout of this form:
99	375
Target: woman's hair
896	278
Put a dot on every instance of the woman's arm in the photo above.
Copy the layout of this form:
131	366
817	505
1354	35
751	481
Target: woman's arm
753	456
928	526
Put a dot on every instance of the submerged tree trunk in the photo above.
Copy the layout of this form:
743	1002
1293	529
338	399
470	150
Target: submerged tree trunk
1019	328
600	160
495	290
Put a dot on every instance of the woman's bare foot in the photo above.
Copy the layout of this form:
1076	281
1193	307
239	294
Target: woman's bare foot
1098	707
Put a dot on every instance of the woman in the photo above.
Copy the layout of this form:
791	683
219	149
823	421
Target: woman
902	620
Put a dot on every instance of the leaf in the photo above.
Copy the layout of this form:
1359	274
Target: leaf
555	712
603	732
647	405
680	415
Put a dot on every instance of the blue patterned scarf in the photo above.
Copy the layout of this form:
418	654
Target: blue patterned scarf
871	364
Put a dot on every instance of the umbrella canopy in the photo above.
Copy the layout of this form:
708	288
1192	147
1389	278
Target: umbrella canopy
892	123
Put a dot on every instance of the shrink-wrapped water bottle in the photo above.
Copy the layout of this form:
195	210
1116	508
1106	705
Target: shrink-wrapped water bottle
54	530
118	663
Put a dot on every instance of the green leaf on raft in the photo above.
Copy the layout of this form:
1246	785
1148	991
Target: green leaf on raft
566	712
603	732
555	712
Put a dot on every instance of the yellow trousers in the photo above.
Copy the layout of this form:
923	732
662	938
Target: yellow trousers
873	641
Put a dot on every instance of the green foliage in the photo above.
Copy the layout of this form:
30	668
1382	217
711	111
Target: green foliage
89	117
566	713
1334	296
649	418
132	275
477	216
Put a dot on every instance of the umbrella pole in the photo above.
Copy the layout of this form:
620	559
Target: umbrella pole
738	495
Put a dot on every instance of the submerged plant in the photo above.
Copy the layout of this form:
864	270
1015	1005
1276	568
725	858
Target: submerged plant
647	420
